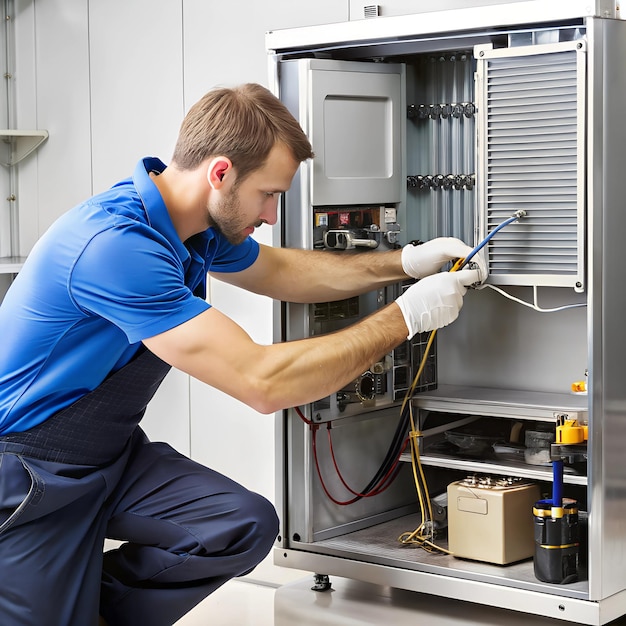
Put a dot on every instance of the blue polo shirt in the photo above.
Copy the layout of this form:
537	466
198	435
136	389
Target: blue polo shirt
107	274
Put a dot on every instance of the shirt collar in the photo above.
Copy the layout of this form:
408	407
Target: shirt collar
156	211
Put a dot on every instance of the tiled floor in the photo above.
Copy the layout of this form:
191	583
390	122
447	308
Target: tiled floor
350	603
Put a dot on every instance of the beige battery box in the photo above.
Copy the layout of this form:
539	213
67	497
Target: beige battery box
491	519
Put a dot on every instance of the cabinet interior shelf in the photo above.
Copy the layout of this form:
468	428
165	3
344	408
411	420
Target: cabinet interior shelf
508	403
20	144
503	403
533	472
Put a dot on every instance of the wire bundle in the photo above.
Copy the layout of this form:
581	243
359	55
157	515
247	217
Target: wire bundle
423	535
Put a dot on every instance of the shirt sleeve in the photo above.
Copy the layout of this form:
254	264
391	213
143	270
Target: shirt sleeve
229	258
132	277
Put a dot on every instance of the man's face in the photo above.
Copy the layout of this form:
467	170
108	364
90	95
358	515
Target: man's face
241	208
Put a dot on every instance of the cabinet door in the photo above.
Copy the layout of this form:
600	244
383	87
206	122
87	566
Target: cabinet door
531	156
355	120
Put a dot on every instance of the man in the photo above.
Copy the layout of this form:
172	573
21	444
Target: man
111	297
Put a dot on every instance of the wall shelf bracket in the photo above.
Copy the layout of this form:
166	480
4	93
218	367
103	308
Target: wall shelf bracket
20	143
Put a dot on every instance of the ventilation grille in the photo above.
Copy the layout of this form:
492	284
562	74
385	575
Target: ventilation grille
532	128
371	10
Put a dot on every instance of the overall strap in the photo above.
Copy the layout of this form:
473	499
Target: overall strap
95	429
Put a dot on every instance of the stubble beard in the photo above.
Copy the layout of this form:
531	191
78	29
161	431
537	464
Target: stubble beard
225	218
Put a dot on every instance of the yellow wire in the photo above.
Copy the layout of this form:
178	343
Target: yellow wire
417	536
420	536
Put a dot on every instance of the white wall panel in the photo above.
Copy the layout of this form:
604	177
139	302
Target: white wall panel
225	45
105	79
5	184
225	41
136	63
52	92
136	80
111	82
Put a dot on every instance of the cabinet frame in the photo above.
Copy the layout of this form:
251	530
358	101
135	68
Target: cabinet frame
602	597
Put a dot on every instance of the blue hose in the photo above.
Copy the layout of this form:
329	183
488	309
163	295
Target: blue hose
557	483
483	243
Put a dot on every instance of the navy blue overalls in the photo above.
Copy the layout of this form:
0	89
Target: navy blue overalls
89	472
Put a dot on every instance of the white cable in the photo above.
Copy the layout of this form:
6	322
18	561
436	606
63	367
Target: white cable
532	305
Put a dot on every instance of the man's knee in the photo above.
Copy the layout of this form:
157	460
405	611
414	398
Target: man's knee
260	527
259	520
244	525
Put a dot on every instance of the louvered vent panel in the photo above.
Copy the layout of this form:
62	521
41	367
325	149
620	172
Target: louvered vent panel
533	161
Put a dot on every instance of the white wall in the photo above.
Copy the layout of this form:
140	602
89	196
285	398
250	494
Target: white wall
111	82
236	53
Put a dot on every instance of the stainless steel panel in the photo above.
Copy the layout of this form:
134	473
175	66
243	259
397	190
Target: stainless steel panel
501	359
319	509
438	23
388	8
539	602
441	138
355	120
607	141
531	117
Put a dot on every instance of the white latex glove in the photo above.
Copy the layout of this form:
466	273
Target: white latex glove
435	301
428	258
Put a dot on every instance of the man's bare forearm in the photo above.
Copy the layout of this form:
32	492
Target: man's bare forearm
299	372
272	377
316	275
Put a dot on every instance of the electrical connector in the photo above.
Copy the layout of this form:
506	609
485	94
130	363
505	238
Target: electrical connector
516	216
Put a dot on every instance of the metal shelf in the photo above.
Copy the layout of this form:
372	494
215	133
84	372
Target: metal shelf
502	403
378	544
490	466
11	264
20	144
508	403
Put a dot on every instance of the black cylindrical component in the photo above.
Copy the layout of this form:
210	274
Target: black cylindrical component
556	541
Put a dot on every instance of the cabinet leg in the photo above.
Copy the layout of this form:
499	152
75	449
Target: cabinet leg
321	582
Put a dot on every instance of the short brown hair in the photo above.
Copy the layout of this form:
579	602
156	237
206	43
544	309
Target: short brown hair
242	123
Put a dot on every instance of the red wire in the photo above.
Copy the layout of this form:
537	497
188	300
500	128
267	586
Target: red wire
381	486
319	473
301	416
384	483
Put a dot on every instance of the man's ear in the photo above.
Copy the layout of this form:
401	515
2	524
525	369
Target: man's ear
218	169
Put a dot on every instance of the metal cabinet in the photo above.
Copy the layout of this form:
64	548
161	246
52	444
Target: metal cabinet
492	110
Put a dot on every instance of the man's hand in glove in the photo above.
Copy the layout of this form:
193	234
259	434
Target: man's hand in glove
419	261
435	301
